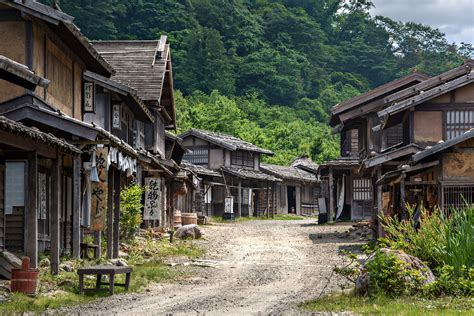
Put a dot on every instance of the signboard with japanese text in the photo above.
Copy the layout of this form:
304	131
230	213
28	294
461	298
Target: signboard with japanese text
229	204
99	191
89	97
116	116
152	210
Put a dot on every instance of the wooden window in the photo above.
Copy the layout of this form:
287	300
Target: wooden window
392	136
457	197
14	185
242	158
458	122
361	189
139	135
198	156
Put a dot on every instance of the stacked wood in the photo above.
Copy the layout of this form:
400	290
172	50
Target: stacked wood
8	261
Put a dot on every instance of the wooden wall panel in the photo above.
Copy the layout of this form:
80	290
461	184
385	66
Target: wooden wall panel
428	127
465	94
458	166
77	91
2	208
38	55
445	98
13	35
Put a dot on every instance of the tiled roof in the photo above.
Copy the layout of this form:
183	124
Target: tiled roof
200	170
249	174
289	172
226	141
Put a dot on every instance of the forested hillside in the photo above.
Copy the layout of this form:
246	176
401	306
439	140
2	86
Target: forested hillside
270	70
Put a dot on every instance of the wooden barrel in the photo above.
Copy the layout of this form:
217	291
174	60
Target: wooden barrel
189	218
177	219
24	280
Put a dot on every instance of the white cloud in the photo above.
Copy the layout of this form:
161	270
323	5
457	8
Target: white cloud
455	18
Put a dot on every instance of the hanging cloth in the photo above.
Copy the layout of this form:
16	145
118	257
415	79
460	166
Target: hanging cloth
340	188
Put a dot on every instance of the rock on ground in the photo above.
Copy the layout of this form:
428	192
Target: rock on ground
189	231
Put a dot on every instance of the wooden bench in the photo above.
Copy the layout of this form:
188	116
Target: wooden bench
111	271
85	247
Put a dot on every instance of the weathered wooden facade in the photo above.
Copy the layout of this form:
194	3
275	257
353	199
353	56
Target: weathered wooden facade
88	130
231	167
350	189
413	141
299	191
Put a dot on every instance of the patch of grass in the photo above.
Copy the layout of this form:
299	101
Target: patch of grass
389	306
278	217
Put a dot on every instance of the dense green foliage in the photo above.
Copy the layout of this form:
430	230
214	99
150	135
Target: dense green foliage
306	55
130	212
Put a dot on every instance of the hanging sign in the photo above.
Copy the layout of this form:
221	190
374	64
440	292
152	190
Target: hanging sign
229	204
116	116
89	97
152	210
99	190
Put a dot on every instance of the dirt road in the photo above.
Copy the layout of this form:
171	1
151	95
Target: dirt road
256	267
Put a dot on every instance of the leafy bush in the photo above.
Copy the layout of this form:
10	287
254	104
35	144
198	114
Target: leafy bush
130	213
450	282
439	240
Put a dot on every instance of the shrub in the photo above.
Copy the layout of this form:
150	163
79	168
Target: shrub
130	213
450	282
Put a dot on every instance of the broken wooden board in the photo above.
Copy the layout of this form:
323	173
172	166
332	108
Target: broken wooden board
8	261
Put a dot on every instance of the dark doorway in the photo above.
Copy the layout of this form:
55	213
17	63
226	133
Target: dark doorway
291	200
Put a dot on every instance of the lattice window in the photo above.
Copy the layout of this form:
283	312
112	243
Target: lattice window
458	197
242	158
361	189
393	136
458	122
198	156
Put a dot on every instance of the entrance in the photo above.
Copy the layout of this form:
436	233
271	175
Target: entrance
291	200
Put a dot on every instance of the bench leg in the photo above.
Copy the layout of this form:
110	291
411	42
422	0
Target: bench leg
99	281
81	284
111	284
127	281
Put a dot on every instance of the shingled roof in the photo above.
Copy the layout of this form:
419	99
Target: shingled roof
227	141
10	126
289	173
200	170
305	163
249	174
144	65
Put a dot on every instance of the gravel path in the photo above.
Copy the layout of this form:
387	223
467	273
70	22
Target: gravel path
256	267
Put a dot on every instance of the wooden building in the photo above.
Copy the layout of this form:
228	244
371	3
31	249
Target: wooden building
238	164
145	66
437	115
350	188
299	191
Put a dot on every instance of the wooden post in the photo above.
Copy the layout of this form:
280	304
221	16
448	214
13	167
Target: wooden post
379	204
116	232
273	200
31	210
403	198
268	199
331	197
239	210
55	211
76	207
110	212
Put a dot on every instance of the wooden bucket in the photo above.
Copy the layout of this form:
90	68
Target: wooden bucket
177	222
189	218
24	280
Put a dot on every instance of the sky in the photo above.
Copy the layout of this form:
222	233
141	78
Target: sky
455	18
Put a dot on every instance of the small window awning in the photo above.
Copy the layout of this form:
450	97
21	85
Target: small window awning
392	155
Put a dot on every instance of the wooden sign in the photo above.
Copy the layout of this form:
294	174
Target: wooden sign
152	210
42	196
116	116
89	97
229	204
99	191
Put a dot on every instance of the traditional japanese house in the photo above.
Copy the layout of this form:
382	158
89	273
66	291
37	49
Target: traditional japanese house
48	43
437	112
350	187
146	67
299	191
239	164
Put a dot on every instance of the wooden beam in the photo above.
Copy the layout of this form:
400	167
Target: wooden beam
403	198
379	214
76	207
110	212
331	197
31	216
239	210
115	250
55	211
25	143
